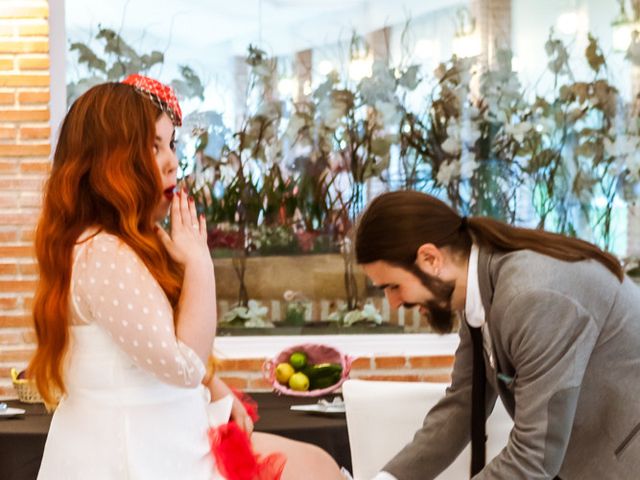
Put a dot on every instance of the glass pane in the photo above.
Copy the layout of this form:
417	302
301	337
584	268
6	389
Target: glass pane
298	112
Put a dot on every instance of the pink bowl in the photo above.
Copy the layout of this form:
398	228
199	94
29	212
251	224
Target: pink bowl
316	353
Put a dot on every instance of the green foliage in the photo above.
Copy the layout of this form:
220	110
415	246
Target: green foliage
118	60
295	173
190	85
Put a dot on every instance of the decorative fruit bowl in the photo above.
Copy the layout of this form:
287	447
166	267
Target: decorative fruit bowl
307	370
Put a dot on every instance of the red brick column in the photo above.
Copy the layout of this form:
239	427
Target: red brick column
493	23
24	163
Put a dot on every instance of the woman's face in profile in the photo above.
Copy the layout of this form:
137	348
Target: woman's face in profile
164	147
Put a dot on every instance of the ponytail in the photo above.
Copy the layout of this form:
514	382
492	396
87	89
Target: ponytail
396	224
500	236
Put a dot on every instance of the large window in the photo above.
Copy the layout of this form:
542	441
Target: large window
499	112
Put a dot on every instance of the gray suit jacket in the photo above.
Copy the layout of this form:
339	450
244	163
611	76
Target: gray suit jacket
568	335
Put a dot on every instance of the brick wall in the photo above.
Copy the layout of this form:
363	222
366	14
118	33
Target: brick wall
246	373
24	163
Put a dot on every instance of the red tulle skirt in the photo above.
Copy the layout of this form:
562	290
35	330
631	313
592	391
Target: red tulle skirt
232	449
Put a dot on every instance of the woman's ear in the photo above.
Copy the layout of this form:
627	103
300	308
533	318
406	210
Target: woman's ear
429	259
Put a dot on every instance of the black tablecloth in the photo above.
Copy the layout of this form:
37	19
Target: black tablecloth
22	439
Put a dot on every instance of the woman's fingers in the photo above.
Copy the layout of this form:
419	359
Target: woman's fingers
184	209
193	215
241	417
183	212
188	238
202	222
175	211
248	425
164	238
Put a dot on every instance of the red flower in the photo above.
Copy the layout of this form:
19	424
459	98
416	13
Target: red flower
306	240
218	238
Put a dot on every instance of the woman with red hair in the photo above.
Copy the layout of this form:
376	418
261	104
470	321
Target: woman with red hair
125	312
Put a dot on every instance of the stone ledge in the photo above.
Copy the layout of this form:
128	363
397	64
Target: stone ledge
382	345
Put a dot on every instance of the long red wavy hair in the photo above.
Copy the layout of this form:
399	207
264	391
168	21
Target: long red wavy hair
104	175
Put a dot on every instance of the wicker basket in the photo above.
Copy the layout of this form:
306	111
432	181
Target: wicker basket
26	389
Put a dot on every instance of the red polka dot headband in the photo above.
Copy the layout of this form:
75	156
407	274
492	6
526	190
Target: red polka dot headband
160	94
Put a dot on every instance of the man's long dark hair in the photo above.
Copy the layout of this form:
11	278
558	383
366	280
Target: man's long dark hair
396	224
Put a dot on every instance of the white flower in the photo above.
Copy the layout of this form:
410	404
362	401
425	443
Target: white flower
545	125
256	309
512	87
352	317
296	123
623	146
295	301
501	117
518	130
237	312
625	150
468	165
389	112
447	172
458	136
253	316
370	312
633	165
464	66
273	152
453	129
452	145
332	117
472	112
258	322
469	133
261	70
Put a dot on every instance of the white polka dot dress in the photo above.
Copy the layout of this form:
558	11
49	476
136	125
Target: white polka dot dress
135	407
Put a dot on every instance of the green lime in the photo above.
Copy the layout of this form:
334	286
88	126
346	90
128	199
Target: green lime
298	360
299	382
284	372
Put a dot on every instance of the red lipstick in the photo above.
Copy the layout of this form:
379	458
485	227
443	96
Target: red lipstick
168	192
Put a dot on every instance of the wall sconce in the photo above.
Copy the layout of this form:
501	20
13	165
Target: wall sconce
569	23
325	67
288	87
424	49
466	41
361	62
623	28
360	67
306	88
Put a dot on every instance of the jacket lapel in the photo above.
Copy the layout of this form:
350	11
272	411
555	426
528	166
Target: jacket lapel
484	279
487	265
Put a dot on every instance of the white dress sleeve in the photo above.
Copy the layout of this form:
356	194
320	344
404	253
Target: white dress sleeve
113	288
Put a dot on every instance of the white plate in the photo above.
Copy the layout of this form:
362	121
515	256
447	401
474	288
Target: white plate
11	412
317	408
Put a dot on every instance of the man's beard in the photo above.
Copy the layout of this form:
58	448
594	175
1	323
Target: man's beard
440	316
